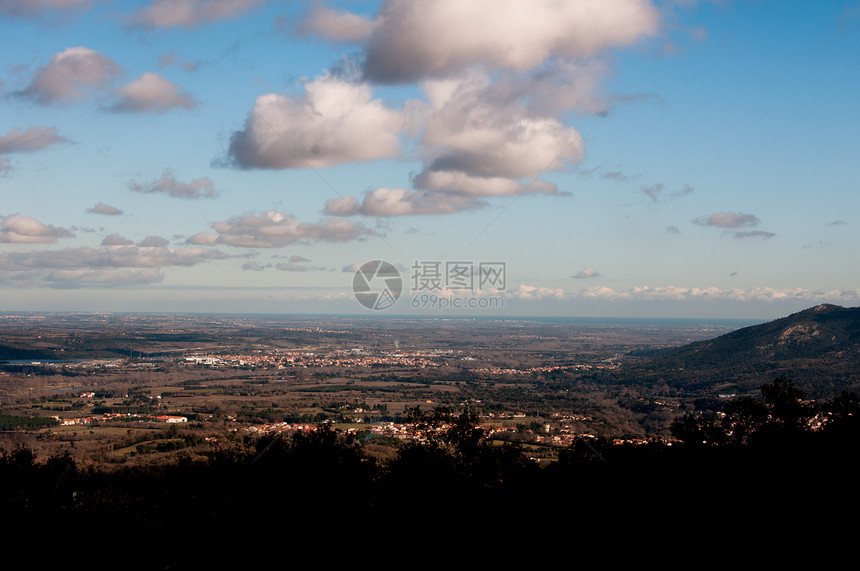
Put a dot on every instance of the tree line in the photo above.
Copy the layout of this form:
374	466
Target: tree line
782	414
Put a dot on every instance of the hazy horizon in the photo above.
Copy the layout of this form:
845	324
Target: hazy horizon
381	316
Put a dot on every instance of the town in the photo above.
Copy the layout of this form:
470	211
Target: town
104	383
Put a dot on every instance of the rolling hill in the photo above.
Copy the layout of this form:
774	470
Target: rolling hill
818	348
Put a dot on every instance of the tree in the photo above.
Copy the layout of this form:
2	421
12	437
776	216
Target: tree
842	415
786	405
465	436
744	416
843	407
698	430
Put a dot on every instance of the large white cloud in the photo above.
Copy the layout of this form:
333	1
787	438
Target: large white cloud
335	121
498	78
471	128
71	75
190	13
414	39
116	253
18	229
273	229
151	93
485	138
118	261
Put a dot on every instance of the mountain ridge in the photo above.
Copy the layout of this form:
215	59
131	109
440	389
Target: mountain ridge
819	348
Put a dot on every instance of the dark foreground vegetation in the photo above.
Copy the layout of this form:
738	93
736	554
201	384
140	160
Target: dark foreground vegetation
759	464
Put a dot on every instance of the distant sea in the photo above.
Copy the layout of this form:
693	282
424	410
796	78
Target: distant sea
382	315
638	321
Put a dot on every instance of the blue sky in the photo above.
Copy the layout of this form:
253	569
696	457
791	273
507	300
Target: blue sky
620	157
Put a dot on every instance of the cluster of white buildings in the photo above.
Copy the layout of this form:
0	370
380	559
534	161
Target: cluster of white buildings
120	416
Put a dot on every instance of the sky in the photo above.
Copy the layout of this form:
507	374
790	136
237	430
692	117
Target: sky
618	158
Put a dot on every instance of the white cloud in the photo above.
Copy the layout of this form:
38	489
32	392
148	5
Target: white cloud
273	229
190	13
653	191
674	293
477	144
413	39
529	292
253	266
32	139
32	8
497	75
401	202
734	220
154	242
203	239
728	220
18	229
105	209
685	190
587	273
472	129
117	262
151	93
483	139
71	75
754	234
398	202
334	121
198	188
116	240
617	175
343	206
336	25
172	58
117	254
293	267
461	183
